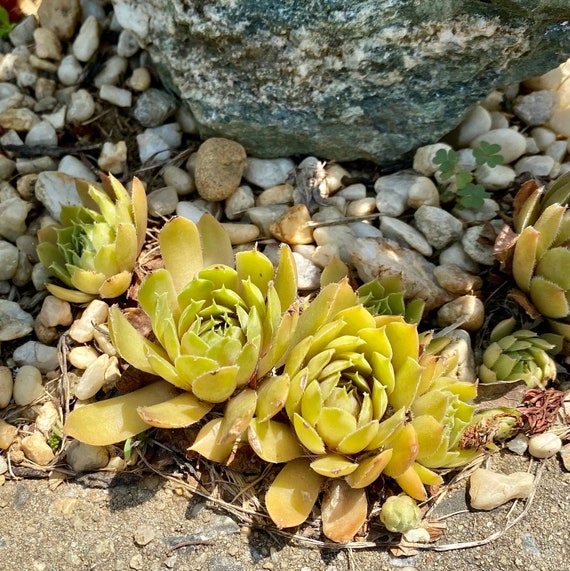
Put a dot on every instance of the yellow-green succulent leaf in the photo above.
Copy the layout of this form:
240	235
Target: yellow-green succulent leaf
435	403
156	285
358	440
387	428
271	396
549	298
369	469
405	445
255	266
130	344
524	257
334	424
105	204
333	272
238	413
126	247
216	244
558	191
114	420
206	443
308	436
280	345
85	280
430	433
105	260
427	476
383	371
502	329
411	484
554	266
180	411
293	493
140	211
343	511
216	386
312	403
379	399
115	285
71	295
408	377
547	226
181	250
333	466
274	441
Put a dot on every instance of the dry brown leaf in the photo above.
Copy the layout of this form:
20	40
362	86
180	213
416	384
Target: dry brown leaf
524	192
504	247
521	298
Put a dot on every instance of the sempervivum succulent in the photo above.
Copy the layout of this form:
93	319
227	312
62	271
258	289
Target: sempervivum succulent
94	250
219	323
542	252
400	513
518	355
353	401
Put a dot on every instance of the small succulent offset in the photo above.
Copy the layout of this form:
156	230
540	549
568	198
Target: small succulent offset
518	355
400	513
542	252
95	249
470	195
219	323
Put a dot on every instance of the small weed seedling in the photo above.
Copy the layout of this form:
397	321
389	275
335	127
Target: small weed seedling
470	195
5	26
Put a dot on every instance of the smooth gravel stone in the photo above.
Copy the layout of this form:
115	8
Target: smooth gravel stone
141	80
334	175
309	275
162	201
57	119
489	490
92	379
423	158
455	254
549	80
73	167
531	146
113	70
113	157
364	230
495	178
81	106
535	108
179	179
439	227
54	189
266	173
85	457
7	167
540	165
23	32
14	321
239	202
512	143
241	233
560	122
6	386
557	150
95	314
169	132
481	253
498	120
264	216
87	40
69	71
127	45
544	445
27	166
40	276
361	207
339	236
190	210
44	357
456	280
402	232
152	148
55	312
423	192
28	385
292	227
83	356
47	44
475	123
36	449
543	137
459	349
483	213
392	193
13	213
116	95
220	165
518	444
280	194
42	133
153	107
20	119
467	310
186	119
353	192
8	433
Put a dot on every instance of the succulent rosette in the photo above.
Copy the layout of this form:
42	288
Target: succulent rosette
220	322
354	401
95	249
542	252
400	513
519	355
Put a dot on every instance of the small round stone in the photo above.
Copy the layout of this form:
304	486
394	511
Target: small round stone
85	457
140	79
544	445
468	311
162	201
113	157
179	179
81	106
27	385
241	233
292	227
6	386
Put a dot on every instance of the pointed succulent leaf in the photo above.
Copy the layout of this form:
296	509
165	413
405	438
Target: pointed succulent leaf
274	441
334	424
427	476
126	248
206	443
293	493
84	280
554	266
430	433
549	298
115	285
387	428
216	386
333	466
216	245
71	295
255	266
358	440
369	469
404	443
558	192
238	413
116	419
181	250
343	511
182	410
308	436
408	377
140	211
412	484
547	226
524	257
271	396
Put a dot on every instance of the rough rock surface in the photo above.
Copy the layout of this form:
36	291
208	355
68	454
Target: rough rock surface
343	79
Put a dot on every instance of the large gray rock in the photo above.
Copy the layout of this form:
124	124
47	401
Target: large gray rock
343	79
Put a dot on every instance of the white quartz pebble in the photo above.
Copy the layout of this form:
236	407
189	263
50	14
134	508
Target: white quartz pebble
539	165
8	260
467	310
95	314
481	253
72	166
162	201
14	321
141	80
239	202
93	378
116	95
180	179
42	133
44	357
266	173
241	233
495	178
87	40
6	386
439	227
82	356
512	143
28	385
113	157
476	122
36	449
423	158
404	233
127	44
113	70
55	312
489	490
81	106
544	445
